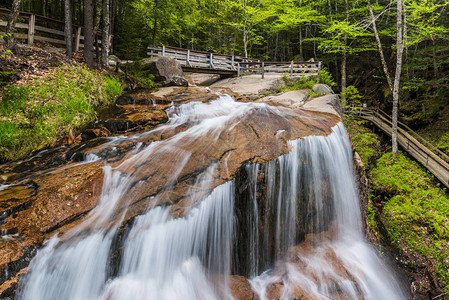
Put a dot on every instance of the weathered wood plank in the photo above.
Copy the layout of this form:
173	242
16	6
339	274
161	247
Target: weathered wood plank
50	40
18	25
49	30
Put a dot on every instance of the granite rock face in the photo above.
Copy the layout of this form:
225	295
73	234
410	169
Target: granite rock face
37	205
163	68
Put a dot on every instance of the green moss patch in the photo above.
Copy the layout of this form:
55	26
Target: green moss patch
416	213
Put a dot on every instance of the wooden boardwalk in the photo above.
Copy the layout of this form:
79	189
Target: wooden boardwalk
233	65
423	151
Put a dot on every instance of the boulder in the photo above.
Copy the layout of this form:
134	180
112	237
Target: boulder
163	68
322	89
176	81
125	100
291	99
329	103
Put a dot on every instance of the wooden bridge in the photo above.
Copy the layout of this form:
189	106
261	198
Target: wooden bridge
233	65
423	151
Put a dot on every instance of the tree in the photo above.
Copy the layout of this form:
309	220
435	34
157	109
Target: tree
88	33
397	78
105	36
68	28
379	47
11	26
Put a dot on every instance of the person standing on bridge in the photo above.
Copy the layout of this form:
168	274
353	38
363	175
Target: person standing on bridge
211	54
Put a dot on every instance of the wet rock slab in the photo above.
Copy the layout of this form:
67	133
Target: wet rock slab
36	206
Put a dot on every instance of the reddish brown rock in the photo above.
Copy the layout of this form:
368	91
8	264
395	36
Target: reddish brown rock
57	200
241	289
61	196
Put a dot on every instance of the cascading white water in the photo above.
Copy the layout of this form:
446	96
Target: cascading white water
314	187
162	257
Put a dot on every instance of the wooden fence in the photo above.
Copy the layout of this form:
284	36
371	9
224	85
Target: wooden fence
436	161
31	27
200	61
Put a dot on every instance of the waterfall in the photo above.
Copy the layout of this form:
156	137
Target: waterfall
299	224
312	197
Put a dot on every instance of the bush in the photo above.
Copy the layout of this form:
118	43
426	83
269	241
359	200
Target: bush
305	83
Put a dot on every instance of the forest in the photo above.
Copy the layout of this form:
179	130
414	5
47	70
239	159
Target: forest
372	51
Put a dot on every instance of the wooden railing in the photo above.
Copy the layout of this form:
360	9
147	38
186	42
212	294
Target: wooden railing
436	161
31	27
200	61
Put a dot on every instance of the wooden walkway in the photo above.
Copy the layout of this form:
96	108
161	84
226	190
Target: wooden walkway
423	151
233	65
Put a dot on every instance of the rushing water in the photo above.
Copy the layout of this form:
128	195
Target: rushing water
291	199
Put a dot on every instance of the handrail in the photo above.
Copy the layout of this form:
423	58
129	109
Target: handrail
56	37
408	142
417	136
207	61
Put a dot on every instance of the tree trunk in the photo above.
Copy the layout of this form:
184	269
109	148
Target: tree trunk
379	47
88	33
53	9
44	8
343	62
156	8
300	42
434	57
97	20
68	28
397	78
245	30
11	26
105	36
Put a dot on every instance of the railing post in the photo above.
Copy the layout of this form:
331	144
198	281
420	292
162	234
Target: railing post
77	38
163	50
31	29
291	68
263	70
319	71
232	62
238	69
188	57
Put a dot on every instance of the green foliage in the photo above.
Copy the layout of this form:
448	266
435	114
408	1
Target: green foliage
326	77
35	116
351	94
14	100
143	78
305	83
131	35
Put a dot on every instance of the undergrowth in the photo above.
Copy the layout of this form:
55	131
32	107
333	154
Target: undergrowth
416	214
411	207
34	115
306	82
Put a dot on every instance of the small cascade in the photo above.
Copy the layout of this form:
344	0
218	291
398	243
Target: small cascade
291	225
